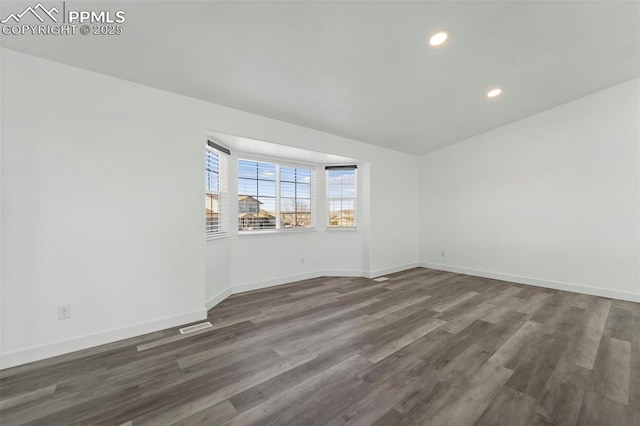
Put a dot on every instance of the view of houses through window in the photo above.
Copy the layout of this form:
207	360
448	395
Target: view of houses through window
273	196
256	195
341	196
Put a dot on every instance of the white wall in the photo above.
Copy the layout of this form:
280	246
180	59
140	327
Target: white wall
98	195
102	208
552	200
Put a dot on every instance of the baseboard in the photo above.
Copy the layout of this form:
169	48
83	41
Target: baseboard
556	285
37	353
341	273
241	288
257	285
218	298
394	269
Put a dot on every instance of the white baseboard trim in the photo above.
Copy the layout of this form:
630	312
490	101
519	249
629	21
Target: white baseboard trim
556	285
241	288
341	273
62	347
391	270
218	298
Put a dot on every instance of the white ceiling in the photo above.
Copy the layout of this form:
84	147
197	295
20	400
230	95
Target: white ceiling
362	69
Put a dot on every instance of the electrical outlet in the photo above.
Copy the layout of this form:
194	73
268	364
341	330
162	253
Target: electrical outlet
64	312
443	254
302	260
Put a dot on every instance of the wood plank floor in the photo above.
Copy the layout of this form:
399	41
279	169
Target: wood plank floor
424	347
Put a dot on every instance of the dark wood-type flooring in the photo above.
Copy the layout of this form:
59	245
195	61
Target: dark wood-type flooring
424	347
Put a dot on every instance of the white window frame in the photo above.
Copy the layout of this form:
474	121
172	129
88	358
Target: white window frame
223	155
278	164
354	198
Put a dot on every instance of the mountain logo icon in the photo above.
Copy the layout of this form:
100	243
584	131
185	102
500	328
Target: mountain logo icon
39	11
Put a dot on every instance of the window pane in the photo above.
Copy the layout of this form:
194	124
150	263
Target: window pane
215	189
256	170
211	160
304	175
212	212
293	174
295	212
287	174
247	204
303	220
303	205
334	207
212	170
256	195
212	181
295	193
342	190
256	187
266	188
341	183
342	212
267	204
287	212
295	220
287	189
256	213
288	205
247	186
247	169
303	190
267	171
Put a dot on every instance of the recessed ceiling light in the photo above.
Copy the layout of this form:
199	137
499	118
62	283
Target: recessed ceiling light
493	93
438	38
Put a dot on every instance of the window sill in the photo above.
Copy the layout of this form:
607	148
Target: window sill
217	237
342	229
276	232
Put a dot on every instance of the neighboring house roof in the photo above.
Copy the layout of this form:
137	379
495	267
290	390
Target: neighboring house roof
248	198
343	214
262	214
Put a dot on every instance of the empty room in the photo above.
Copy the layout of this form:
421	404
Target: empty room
320	213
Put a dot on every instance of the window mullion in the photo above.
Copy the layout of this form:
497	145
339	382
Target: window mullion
312	201
278	224
295	196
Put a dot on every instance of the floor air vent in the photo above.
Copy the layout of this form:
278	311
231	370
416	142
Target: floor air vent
381	279
195	327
